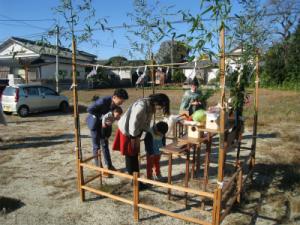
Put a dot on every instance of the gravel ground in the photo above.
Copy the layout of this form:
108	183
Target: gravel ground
37	167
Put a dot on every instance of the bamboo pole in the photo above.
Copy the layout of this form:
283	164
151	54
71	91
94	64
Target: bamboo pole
255	117
80	180
221	158
135	197
108	195
240	186
175	215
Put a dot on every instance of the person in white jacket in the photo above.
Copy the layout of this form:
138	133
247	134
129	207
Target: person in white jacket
133	123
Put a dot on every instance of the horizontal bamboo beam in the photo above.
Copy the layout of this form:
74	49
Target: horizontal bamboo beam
230	181
92	178
231	136
229	206
120	174
177	188
89	158
175	215
124	200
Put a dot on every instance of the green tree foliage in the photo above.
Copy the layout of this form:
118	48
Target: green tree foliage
117	61
178	76
149	17
283	70
172	51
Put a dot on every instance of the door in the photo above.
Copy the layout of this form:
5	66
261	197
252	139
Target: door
50	99
32	98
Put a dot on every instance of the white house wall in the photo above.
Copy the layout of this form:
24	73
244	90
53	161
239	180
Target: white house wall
123	74
212	74
48	71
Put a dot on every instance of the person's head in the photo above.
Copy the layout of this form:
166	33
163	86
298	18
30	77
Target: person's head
119	96
117	112
160	101
194	84
161	128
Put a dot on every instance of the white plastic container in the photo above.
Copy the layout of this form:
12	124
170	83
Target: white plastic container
212	120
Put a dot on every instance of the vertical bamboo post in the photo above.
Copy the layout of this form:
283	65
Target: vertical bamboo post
240	185
169	175
77	122
214	207
101	166
135	196
255	117
221	158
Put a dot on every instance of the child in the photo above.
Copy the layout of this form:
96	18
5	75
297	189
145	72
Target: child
106	130
154	140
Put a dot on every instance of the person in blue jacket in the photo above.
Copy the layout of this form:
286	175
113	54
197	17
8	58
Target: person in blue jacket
96	111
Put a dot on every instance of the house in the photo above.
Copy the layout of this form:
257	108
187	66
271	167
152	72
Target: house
34	61
124	73
232	59
205	70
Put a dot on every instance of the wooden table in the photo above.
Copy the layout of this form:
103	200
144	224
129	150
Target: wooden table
177	150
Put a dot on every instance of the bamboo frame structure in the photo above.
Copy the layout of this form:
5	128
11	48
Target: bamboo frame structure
227	140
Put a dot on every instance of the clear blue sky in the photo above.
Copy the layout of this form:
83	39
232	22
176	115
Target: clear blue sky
115	11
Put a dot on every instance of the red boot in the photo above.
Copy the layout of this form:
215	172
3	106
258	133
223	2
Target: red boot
150	161
157	166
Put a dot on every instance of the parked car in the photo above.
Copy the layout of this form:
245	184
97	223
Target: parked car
3	84
24	99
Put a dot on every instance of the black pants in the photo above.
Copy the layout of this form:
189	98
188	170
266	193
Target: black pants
132	164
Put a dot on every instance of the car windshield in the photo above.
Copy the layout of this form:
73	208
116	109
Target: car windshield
9	91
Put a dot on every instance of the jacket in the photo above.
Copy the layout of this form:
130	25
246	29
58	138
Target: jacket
152	145
137	118
96	110
187	100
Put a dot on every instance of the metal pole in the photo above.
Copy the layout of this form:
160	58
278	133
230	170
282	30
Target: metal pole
172	70
57	51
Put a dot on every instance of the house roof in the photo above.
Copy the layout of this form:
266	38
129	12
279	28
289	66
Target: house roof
46	49
200	64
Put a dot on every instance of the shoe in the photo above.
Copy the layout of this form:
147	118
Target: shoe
158	177
107	175
112	168
143	186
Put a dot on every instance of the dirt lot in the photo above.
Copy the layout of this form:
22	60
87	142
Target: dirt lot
37	167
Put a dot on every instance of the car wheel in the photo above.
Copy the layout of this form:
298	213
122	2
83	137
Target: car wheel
23	111
64	107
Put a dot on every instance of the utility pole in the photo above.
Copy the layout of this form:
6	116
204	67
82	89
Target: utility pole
172	69
57	51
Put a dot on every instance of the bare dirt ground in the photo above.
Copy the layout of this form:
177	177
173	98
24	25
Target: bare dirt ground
37	167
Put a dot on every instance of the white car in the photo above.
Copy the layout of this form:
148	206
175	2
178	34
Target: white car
24	99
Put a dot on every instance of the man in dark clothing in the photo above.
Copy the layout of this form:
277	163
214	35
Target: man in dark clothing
96	111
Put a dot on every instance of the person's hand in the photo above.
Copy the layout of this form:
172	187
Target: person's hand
196	103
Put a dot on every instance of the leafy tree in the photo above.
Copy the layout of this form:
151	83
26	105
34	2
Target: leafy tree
117	61
280	69
150	28
178	76
172	51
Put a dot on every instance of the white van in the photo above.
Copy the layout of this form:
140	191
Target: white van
24	99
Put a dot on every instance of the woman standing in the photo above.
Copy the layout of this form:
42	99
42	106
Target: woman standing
133	123
96	111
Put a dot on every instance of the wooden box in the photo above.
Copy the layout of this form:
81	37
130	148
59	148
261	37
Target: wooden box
193	129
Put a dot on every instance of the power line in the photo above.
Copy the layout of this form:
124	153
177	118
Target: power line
26	20
30	25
